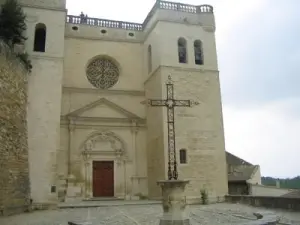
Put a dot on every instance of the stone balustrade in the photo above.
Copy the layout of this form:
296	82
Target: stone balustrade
185	7
103	23
166	5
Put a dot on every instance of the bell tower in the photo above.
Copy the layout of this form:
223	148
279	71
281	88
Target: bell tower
182	40
45	45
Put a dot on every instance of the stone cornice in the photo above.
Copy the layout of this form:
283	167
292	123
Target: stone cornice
92	126
143	38
97	91
136	41
112	125
45	8
179	69
65	120
48	57
104	101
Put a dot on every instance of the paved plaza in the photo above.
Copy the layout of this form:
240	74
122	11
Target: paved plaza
223	213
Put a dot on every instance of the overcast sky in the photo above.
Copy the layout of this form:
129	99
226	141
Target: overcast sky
259	62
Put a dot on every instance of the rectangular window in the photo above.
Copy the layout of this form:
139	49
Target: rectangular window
182	156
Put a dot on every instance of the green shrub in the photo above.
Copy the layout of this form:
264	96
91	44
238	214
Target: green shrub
204	196
141	196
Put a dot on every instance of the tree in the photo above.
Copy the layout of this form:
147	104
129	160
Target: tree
284	183
12	23
12	28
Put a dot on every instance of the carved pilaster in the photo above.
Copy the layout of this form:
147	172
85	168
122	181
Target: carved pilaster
134	131
72	124
135	157
86	159
71	128
134	127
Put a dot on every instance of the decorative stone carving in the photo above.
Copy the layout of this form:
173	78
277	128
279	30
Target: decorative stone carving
105	142
102	73
88	146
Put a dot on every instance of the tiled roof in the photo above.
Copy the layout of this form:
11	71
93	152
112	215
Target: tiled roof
241	173
234	160
241	170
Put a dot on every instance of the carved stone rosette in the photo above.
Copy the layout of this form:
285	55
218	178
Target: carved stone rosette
102	73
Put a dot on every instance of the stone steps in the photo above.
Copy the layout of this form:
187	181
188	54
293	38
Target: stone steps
109	203
103	199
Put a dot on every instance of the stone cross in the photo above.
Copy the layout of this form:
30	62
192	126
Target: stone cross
171	103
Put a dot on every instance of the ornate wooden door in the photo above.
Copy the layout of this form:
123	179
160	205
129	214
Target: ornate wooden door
103	178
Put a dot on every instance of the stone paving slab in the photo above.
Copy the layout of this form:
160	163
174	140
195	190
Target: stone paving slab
226	214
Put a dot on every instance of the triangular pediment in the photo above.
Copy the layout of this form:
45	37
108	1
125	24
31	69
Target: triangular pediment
103	108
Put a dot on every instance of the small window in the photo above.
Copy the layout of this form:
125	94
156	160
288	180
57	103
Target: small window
53	189
182	51
40	38
75	28
103	31
131	34
149	59
198	52
182	156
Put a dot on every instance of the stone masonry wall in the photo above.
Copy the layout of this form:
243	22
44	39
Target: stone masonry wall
14	169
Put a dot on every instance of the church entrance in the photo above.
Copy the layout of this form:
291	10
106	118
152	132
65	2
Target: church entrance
103	178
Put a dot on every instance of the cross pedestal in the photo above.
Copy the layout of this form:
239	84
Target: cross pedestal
173	202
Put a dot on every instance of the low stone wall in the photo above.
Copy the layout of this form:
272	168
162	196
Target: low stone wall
266	201
14	168
261	190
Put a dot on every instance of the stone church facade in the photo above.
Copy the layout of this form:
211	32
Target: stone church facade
91	133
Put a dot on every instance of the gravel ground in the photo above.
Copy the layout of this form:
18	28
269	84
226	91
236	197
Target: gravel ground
226	214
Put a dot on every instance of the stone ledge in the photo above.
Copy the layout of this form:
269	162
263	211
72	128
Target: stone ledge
8	211
292	204
175	222
43	206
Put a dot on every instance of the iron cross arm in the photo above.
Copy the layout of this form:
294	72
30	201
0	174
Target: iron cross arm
172	103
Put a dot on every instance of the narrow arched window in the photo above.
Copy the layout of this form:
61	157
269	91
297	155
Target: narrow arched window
182	156
40	38
198	52
182	51
149	59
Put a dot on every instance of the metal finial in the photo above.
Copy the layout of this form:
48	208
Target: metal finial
170	81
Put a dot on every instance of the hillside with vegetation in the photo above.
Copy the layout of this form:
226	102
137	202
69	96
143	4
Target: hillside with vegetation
284	183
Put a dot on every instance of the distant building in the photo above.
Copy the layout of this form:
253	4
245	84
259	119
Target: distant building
240	174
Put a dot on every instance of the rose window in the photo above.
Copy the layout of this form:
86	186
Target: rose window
102	73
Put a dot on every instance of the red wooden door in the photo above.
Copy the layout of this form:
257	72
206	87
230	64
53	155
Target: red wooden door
103	178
